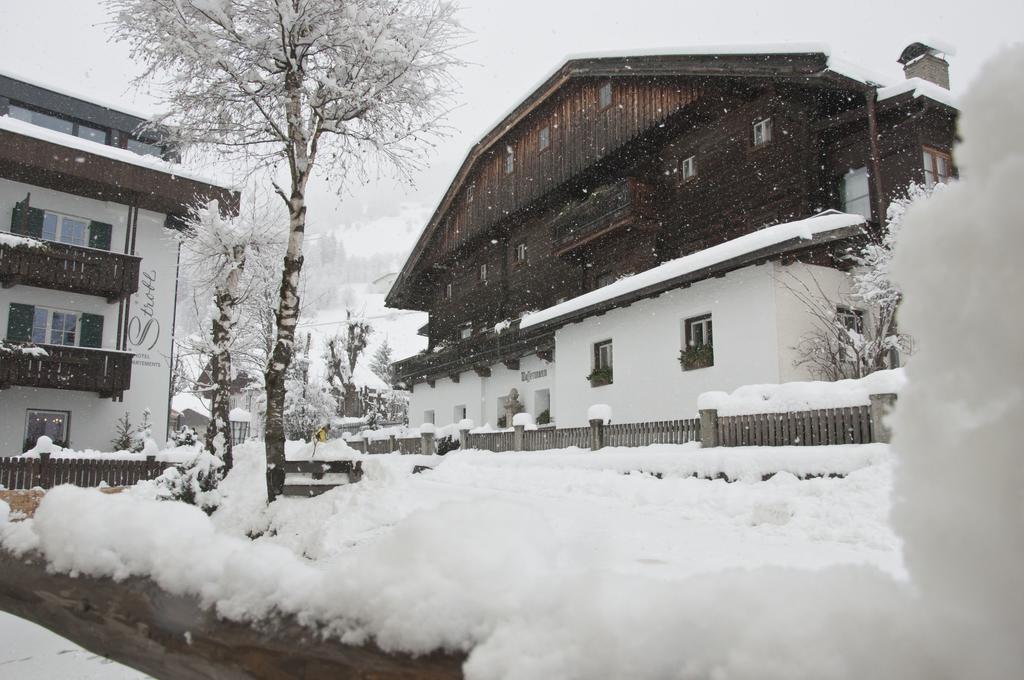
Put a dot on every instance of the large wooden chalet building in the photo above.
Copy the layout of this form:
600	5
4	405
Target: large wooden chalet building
88	267
636	206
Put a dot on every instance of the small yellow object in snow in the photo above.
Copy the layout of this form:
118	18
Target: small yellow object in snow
321	434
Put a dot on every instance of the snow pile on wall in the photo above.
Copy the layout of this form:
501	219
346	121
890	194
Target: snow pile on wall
803	396
958	422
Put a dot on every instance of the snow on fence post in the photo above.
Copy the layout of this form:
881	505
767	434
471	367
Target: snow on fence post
598	415
708	427
881	407
427	431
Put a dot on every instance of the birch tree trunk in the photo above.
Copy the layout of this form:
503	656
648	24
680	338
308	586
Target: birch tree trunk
218	431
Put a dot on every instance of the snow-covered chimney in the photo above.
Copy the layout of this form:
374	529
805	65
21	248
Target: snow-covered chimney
928	62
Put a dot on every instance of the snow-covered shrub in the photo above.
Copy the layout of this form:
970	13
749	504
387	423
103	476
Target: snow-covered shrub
194	483
186	436
447	444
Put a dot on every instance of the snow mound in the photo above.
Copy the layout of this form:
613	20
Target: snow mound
602	412
803	396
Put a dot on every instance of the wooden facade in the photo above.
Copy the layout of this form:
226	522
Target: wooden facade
602	194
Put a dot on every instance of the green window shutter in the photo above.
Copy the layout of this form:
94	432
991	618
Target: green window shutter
27	225
92	331
99	235
19	322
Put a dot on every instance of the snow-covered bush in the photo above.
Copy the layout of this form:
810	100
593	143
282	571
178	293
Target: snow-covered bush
185	436
194	483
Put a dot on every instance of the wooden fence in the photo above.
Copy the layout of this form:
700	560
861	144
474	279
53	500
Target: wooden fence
315	484
850	425
553	438
28	473
406	445
645	434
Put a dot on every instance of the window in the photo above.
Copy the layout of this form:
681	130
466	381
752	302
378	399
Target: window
459	413
602	366
51	122
938	167
93	134
448	291
851	319
544	138
698	343
542	406
856	196
483	273
466	331
428	417
510	160
520	255
54	327
688	168
603	279
52	424
762	132
44	120
605	96
65	229
143	148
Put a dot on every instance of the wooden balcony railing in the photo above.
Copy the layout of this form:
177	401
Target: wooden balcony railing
605	209
476	353
75	269
106	372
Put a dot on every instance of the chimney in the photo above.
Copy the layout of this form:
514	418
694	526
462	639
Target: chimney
921	60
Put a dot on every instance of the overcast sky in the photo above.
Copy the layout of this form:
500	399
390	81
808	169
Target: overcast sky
515	43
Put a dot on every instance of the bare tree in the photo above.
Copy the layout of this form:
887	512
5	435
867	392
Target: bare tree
341	355
862	336
305	85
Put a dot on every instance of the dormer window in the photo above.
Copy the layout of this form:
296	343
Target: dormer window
604	96
448	291
544	138
762	132
520	256
483	273
510	160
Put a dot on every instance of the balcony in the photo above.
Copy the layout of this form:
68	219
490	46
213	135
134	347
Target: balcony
478	353
106	372
604	210
60	266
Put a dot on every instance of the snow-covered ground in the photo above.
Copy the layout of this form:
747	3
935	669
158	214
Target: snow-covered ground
29	652
483	536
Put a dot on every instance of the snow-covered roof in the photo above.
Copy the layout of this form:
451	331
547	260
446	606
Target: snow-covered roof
187	401
920	88
20	127
806	229
118	106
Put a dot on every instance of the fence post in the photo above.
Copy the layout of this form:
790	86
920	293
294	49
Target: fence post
881	407
517	437
709	428
427	443
596	434
463	438
393	443
45	471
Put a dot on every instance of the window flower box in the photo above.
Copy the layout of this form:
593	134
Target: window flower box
600	376
697	356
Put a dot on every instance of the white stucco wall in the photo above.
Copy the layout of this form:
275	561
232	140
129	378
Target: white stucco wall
649	383
480	395
795	321
149	316
758	322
